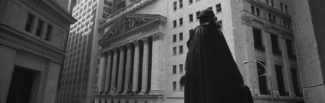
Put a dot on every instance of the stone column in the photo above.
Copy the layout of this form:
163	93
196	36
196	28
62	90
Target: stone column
113	78
145	64
157	71
108	71
120	71
136	66
128	69
101	73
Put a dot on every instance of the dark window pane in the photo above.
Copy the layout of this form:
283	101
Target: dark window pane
48	33
174	38
180	36
258	43
279	77
275	44
29	23
218	7
39	30
295	82
262	82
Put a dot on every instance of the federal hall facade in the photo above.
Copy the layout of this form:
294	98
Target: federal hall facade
33	34
143	49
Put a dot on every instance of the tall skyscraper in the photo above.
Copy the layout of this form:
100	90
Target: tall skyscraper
143	49
33	35
77	79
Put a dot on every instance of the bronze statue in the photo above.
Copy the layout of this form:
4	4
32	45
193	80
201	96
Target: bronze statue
212	76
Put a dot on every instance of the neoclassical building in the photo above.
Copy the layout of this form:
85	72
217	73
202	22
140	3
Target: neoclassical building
131	59
143	49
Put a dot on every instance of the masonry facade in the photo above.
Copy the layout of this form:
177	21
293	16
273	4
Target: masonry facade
32	44
258	32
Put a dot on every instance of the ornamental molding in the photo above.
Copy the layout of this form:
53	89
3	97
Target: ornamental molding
246	19
129	9
132	24
111	46
267	27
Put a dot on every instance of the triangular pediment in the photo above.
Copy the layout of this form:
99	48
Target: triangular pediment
129	23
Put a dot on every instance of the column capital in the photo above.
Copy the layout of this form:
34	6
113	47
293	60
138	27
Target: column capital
144	39
135	42
102	54
128	45
121	47
157	36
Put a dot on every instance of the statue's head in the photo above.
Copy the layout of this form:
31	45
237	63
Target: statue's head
206	16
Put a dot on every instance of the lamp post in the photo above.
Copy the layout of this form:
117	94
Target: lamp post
265	74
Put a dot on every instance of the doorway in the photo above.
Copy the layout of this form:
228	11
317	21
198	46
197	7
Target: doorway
21	85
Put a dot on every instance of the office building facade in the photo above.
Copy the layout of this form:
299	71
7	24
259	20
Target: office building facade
143	49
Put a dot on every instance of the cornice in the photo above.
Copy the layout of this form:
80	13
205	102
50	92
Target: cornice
131	24
19	40
129	9
270	9
248	19
60	10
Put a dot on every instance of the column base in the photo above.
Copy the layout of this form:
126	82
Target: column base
156	92
112	92
126	92
144	92
119	92
135	92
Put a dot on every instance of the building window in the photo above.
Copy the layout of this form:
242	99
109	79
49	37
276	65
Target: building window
281	6
39	29
29	23
275	44
180	3
181	69
197	14
175	23
174	51
174	38
175	6
181	36
181	49
108	3
218	7
174	86
286	24
191	17
48	34
174	69
279	77
255	11
295	82
258	42
261	75
272	18
272	3
286	8
180	21
190	1
291	55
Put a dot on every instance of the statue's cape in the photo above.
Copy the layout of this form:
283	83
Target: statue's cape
211	72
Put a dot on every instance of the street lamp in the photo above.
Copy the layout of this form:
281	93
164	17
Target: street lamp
265	74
